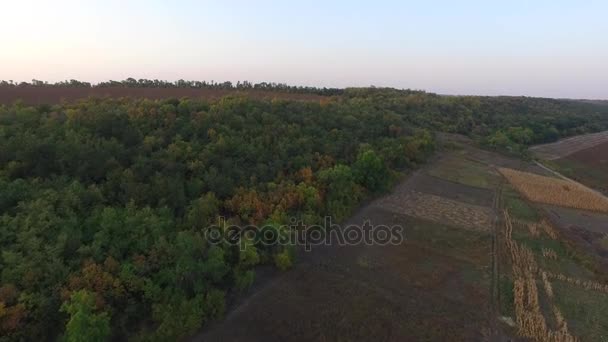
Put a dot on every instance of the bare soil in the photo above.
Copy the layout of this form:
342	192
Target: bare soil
566	217
595	156
565	147
589	166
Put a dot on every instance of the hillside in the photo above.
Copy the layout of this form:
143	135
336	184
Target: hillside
107	203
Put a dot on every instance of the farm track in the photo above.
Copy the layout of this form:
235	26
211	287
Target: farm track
495	295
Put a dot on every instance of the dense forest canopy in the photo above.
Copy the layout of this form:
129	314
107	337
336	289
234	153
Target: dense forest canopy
104	202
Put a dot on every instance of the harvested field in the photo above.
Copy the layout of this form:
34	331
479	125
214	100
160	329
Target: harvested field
589	166
585	310
50	95
555	191
596	156
565	147
531	322
464	171
569	218
424	183
439	209
497	160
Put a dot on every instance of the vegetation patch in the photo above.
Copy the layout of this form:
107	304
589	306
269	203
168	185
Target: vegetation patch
464	171
585	310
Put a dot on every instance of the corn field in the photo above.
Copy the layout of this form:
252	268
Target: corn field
529	318
554	191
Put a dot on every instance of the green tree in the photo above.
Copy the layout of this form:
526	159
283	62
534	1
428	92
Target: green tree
370	171
84	324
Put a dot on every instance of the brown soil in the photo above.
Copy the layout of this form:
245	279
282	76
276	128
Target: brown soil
596	156
568	146
50	95
566	218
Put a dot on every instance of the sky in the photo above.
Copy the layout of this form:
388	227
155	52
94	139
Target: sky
511	47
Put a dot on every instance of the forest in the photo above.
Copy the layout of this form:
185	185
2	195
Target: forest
104	202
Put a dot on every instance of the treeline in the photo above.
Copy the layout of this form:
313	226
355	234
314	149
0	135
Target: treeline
104	202
145	83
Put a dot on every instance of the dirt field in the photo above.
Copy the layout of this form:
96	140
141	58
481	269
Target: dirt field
49	95
567	218
427	184
596	156
589	166
565	147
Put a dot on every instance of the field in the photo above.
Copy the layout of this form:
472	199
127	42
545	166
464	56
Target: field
582	158
554	191
53	95
566	147
589	166
439	209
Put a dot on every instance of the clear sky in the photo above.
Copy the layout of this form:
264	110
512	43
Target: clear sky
512	47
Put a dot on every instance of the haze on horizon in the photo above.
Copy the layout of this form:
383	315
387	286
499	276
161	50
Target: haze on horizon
533	48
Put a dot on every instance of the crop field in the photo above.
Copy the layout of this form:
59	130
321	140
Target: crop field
555	191
588	166
566	147
465	171
439	209
422	182
552	290
567	217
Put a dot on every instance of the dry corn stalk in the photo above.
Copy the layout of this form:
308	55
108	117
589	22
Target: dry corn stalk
559	192
547	284
549	254
586	284
549	230
530	321
534	229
